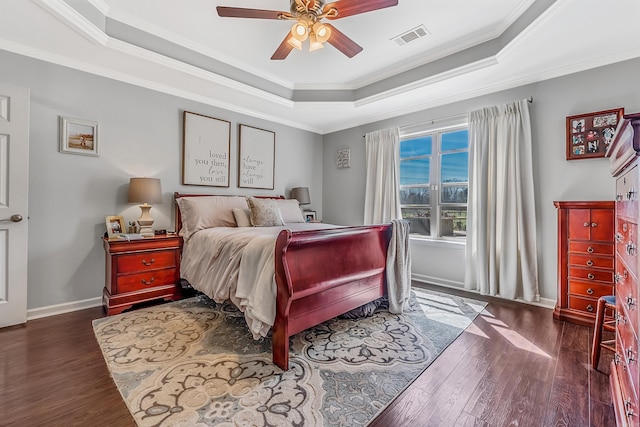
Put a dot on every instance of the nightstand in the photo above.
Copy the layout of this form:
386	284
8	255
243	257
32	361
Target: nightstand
141	270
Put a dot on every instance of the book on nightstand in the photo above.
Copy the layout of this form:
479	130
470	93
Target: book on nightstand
130	236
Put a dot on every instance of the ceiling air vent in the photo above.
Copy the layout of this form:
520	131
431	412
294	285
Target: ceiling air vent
410	35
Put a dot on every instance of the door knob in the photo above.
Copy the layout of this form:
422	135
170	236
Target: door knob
12	218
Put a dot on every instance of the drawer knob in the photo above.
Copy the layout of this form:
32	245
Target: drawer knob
586	224
594	224
589	263
619	237
631	248
590	291
630	355
590	276
630	302
627	407
630	193
148	282
590	308
148	263
618	278
590	249
618	197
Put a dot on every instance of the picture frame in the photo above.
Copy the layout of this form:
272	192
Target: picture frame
78	136
309	216
206	147
343	158
256	158
115	225
589	135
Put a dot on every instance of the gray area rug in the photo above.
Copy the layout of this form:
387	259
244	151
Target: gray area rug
194	363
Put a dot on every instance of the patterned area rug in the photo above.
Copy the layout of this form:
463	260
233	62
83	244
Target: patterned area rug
194	363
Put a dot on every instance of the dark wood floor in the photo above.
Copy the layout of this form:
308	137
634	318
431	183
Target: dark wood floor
515	366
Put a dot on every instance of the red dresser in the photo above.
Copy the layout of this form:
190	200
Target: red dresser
585	258
624	379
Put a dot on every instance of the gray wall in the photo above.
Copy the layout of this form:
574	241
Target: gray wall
555	178
140	135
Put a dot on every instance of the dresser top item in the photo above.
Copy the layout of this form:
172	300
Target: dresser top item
584	204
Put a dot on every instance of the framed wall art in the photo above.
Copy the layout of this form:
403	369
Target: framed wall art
78	136
256	160
343	158
205	150
589	135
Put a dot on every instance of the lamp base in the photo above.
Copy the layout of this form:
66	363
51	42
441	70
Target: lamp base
145	221
146	231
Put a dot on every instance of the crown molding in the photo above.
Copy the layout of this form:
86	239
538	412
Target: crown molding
68	15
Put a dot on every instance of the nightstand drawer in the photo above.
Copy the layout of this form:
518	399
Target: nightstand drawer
145	261
148	280
588	305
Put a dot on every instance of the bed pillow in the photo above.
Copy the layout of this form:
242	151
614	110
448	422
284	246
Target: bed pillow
202	212
242	217
264	212
290	210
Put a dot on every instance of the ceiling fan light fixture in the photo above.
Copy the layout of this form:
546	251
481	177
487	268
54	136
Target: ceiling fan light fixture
314	43
295	43
322	32
300	31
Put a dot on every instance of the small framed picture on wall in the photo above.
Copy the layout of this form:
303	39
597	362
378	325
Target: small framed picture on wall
589	135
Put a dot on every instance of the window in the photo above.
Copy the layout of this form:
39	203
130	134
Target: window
434	181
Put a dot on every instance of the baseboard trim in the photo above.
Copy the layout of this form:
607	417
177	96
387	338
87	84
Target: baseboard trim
544	302
67	307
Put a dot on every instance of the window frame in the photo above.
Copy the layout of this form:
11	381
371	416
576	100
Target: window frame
435	129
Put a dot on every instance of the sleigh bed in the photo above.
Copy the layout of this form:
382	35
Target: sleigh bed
319	273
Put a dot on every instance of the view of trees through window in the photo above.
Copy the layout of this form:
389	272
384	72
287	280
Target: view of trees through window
434	182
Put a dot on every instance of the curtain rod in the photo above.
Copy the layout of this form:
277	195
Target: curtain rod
529	99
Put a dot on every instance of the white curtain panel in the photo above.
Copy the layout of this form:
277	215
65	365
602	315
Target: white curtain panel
382	186
501	254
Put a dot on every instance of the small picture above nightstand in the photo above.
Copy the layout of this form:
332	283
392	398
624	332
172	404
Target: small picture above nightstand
141	270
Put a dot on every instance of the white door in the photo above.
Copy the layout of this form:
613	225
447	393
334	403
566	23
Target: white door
14	186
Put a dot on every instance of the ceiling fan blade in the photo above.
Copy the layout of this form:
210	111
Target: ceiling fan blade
283	50
353	7
343	43
240	12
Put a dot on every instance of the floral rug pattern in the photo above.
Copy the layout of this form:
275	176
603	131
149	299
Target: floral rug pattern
194	363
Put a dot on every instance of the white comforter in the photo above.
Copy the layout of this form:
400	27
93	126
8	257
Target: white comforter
237	264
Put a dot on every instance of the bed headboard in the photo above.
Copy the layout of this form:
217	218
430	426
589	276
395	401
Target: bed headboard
178	216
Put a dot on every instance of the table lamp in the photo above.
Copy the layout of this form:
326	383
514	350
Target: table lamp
301	194
145	191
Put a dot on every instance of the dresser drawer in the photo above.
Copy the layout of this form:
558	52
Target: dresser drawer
627	243
587	305
627	194
147	280
589	274
591	248
589	290
590	261
627	291
145	261
625	376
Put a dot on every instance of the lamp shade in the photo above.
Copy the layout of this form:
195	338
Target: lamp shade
145	190
301	194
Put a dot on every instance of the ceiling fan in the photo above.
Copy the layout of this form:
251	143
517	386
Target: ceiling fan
308	15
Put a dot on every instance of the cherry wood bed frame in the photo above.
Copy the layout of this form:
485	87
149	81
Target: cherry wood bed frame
321	274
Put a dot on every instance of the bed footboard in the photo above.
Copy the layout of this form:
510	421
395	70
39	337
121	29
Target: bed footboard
321	274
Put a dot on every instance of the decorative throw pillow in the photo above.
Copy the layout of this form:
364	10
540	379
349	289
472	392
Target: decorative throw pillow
264	212
290	210
202	212
242	217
